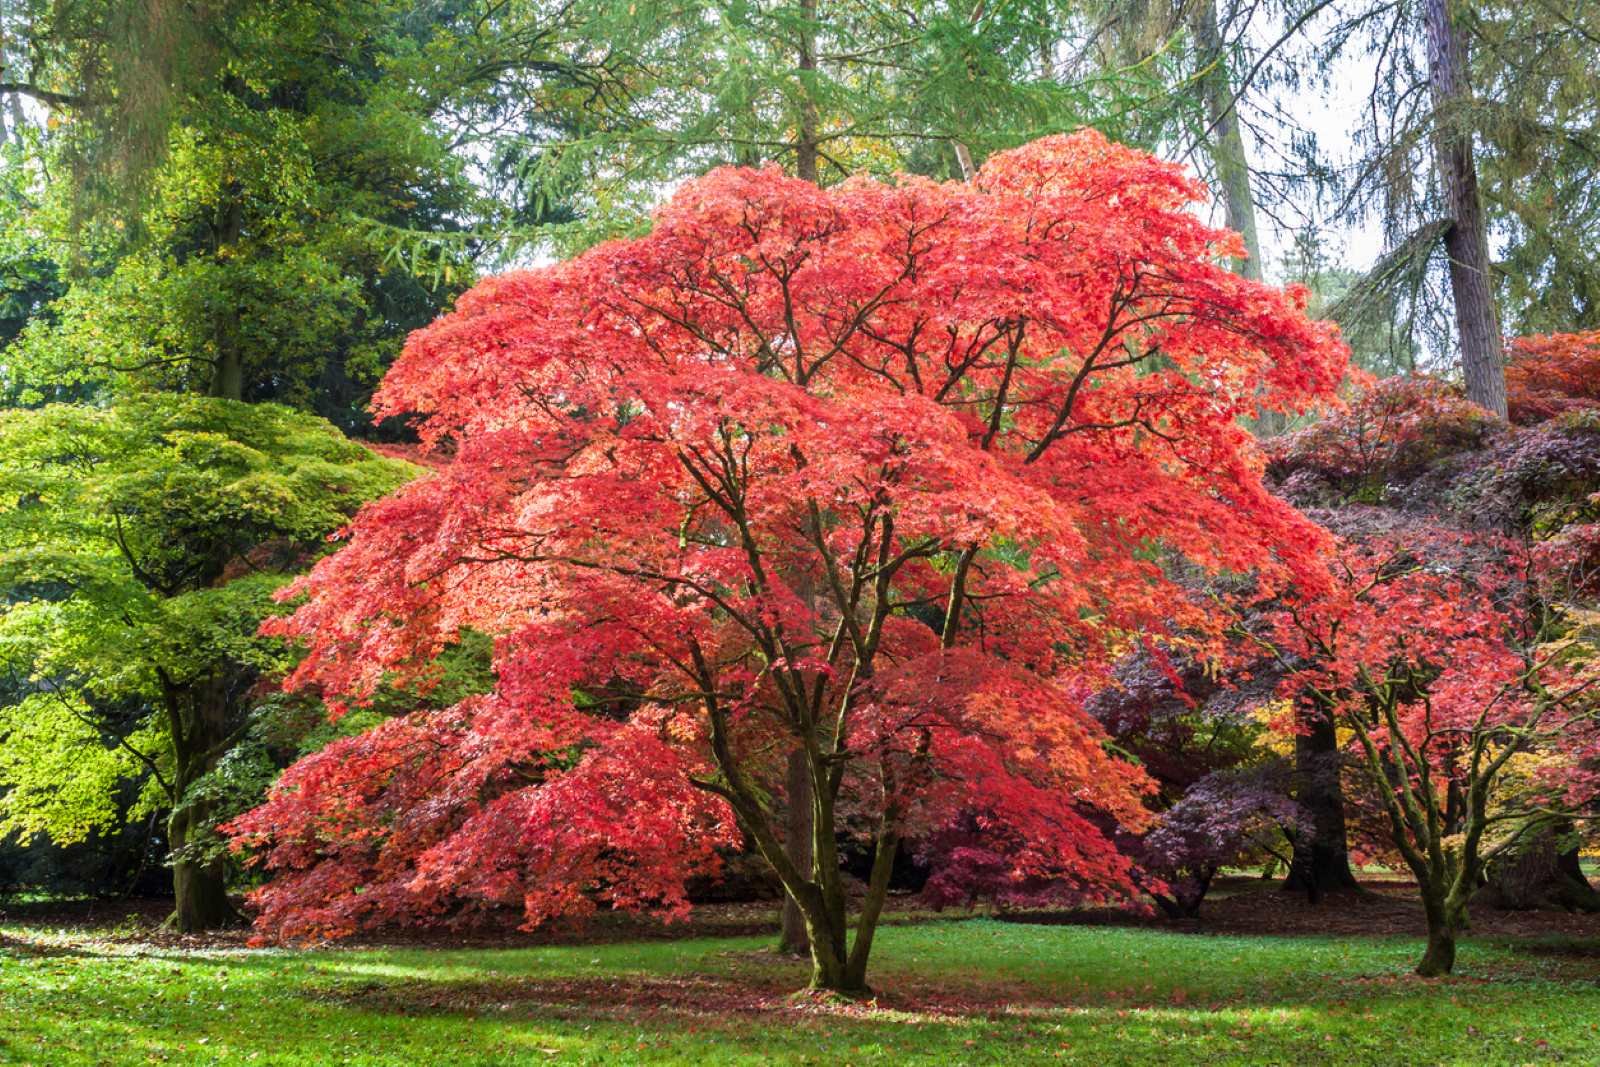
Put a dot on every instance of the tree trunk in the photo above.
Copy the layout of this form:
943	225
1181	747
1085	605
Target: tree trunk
969	170
227	375
830	969
1225	142
1575	893
807	147
200	889
828	941
837	965
1445	920
1466	241
198	716
1321	859
794	940
1540	872
1440	957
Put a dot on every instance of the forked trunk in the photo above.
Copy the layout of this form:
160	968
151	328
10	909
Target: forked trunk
835	969
831	971
838	964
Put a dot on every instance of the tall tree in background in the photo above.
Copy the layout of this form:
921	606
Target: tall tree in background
930	87
1212	62
237	175
1534	67
1470	132
1224	136
242	253
1466	240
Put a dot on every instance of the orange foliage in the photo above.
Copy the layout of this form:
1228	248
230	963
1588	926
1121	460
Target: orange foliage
883	474
1547	374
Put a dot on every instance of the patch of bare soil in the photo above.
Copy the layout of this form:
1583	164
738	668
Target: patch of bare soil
1378	908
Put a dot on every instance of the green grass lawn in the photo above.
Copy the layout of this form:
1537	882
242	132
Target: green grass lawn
976	991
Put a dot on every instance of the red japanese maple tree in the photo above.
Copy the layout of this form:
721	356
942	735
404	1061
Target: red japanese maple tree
1472	713
884	475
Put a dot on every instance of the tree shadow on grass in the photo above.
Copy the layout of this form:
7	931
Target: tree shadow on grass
728	1016
770	997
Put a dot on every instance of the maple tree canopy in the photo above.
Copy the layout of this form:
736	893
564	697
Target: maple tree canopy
886	474
1474	722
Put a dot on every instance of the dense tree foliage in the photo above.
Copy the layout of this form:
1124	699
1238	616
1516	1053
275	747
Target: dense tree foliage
886	506
1473	724
1412	467
142	545
876	474
257	263
1552	373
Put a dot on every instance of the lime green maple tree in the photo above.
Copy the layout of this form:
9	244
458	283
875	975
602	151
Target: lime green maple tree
142	544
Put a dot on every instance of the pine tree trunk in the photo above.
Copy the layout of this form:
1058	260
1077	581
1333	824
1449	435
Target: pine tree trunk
807	148
1229	161
1321	859
1466	242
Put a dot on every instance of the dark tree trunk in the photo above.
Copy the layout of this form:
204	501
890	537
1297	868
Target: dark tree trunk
1321	859
837	964
200	889
793	940
1440	957
1230	163
1575	891
1540	872
1466	241
1185	903
199	724
807	148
